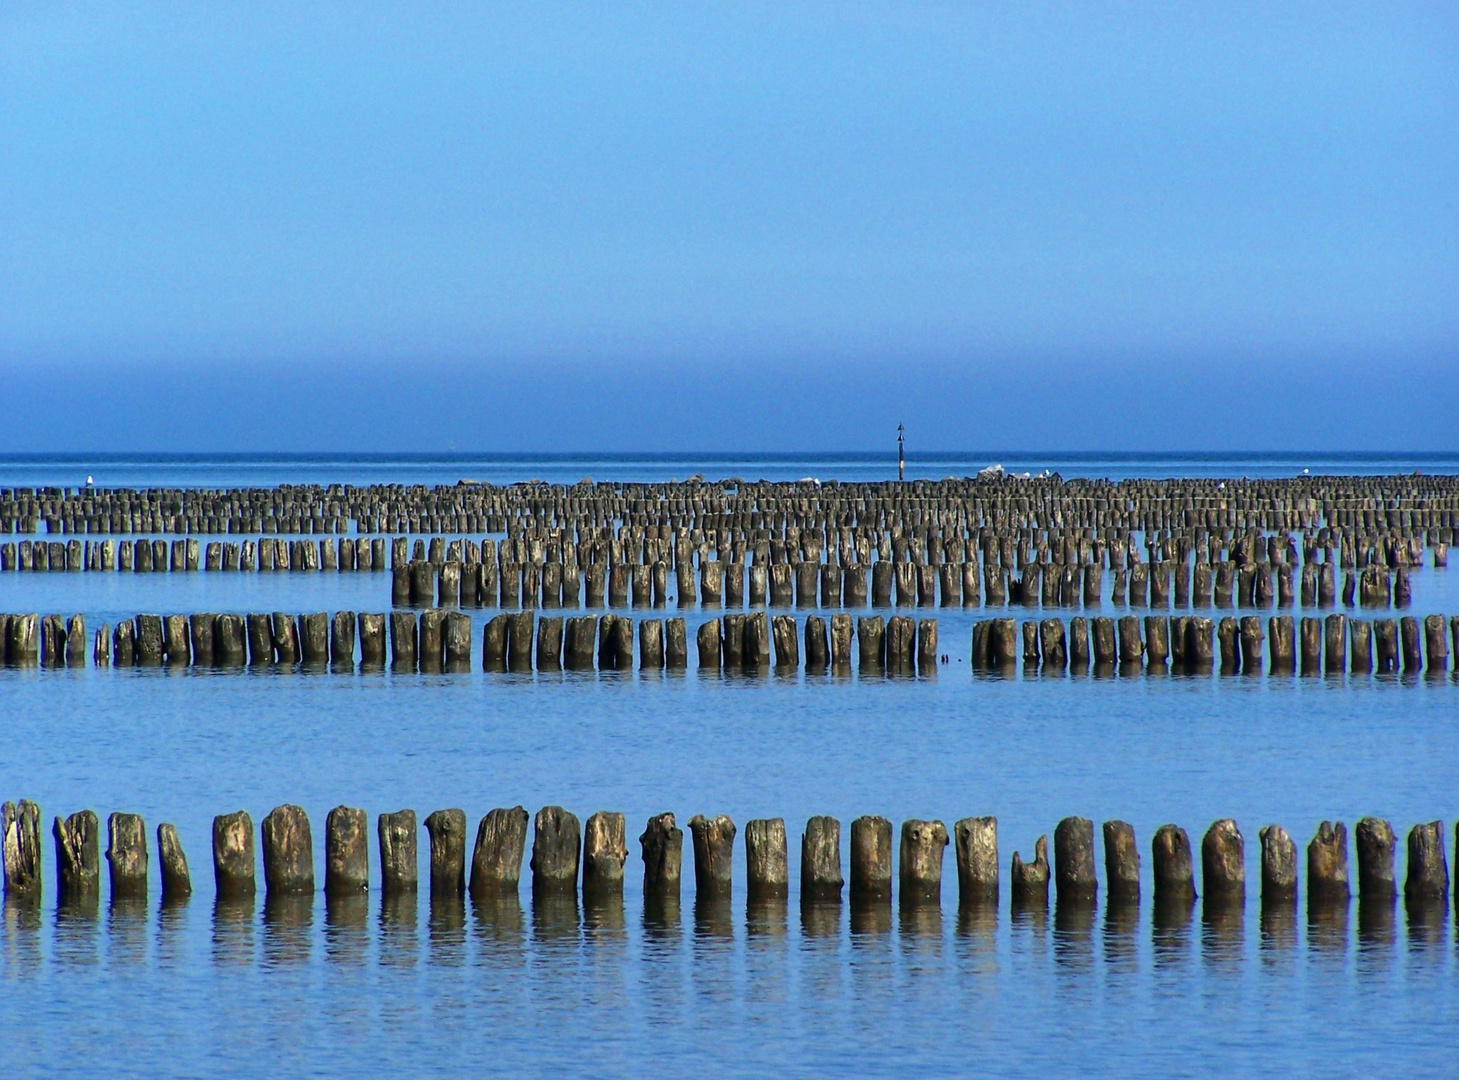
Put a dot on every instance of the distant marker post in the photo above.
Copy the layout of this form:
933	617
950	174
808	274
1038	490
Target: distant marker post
901	454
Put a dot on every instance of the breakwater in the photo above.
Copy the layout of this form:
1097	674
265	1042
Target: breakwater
441	640
572	858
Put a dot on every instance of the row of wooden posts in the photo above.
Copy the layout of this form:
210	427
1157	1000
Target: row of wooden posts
566	857
448	579
441	640
809	584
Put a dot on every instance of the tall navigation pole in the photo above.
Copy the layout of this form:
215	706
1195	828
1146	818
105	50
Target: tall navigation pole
901	454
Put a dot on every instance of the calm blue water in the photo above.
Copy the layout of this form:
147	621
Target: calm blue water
195	990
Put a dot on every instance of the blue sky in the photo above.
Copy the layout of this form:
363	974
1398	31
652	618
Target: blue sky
729	226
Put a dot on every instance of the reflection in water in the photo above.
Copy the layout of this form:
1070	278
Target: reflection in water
1223	932
870	918
500	927
172	920
663	972
447	929
288	919
820	919
555	918
603	918
1074	934
919	926
1278	932
1377	931
233	931
766	918
1170	934
399	910
347	928
22	933
1426	919
714	921
76	930
1121	921
1327	926
976	941
127	930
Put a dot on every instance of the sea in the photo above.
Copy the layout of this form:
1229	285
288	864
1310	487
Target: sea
738	989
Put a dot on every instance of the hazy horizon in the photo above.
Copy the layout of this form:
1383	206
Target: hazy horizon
544	227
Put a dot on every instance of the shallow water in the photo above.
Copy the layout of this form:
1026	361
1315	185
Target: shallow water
735	991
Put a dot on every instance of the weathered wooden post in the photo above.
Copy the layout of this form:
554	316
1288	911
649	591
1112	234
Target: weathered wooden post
447	829
556	848
662	845
787	643
346	852
676	644
20	841
1435	646
1428	872
78	865
920	861
126	855
871	860
314	637
177	882
1376	843
1132	649
650	644
1223	863
549	642
870	642
1104	642
372	639
1030	881
1327	865
1385	639
403	640
1280	645
520	627
399	862
1079	644
1171	861
1121	862
1074	873
767	875
496	862
1003	643
714	840
707	639
820	860
233	856
1278	866
1251	639
604	852
288	851
975	843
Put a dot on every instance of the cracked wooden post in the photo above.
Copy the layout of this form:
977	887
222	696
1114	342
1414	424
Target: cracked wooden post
1251	638
1413	659
1052	644
676	644
1074	874
767	874
1280	648
1104	642
342	639
177	883
870	643
1428	872
447	829
927	646
975	844
520	627
1171	861
1436	648
1335	644
1030	881
1360	646
1376	844
1157	641
402	640
399	861
1327	865
78	864
126	855
1132	649
919	861
556	851
1385	640
20	840
820	861
496	861
871	860
233	856
314	638
1199	654
458	641
841	642
787	643
1223	863
707	640
714	840
1121	862
817	655
1003	643
1226	634
604	852
1278	865
288	851
372	639
662	847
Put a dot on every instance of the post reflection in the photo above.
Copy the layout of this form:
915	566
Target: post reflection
1074	934
347	927
1223	931
1121	923
1278	941
500	927
288	920
127	930
22	916
76	930
233	930
1327	926
555	918
1170	930
399	912
446	929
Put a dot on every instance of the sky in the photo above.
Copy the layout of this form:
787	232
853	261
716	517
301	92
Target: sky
728	226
